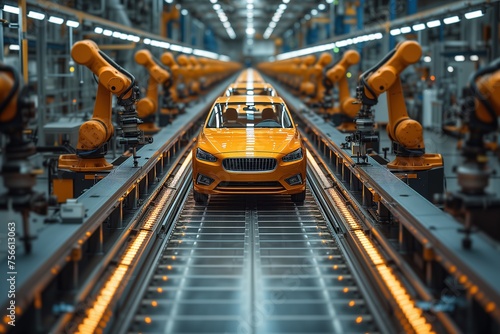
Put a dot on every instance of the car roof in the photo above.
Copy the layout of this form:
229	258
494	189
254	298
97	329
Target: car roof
254	85
249	98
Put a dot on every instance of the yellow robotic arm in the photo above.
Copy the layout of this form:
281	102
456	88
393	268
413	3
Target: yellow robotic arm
316	78
147	106
171	101
9	88
96	132
405	133
346	107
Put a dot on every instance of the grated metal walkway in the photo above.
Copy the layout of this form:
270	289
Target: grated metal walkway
255	264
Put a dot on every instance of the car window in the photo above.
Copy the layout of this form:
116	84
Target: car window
241	115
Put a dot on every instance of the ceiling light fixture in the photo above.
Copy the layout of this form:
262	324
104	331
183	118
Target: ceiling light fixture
321	6
434	23
405	30
11	9
36	15
72	24
474	14
418	27
395	32
56	20
451	19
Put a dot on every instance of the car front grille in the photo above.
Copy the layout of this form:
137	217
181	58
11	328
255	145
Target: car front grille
249	164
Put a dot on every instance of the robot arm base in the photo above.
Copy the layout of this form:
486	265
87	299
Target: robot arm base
416	163
78	164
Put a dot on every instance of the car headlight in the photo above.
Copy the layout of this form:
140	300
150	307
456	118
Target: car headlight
204	155
295	155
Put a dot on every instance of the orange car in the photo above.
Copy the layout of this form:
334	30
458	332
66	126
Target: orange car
250	88
249	145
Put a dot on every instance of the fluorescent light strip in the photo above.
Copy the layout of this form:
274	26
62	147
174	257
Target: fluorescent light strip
405	30
395	32
56	20
14	47
418	27
451	19
175	47
203	53
11	9
432	24
474	14
98	30
36	15
72	24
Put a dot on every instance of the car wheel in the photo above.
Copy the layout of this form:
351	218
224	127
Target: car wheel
199	197
299	198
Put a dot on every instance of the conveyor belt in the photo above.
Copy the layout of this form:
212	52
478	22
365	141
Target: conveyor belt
257	264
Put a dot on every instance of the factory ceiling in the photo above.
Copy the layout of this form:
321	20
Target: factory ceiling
239	19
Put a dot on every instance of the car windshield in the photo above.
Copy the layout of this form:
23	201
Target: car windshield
256	115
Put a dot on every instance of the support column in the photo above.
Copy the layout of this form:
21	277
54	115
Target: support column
23	41
392	17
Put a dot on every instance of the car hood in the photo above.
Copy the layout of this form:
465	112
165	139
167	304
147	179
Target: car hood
249	140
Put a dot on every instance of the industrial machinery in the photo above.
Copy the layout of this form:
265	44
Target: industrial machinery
196	74
148	105
405	134
472	205
346	111
19	176
304	86
316	92
78	171
171	105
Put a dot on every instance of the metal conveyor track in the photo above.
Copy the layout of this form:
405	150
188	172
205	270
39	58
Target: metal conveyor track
255	264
